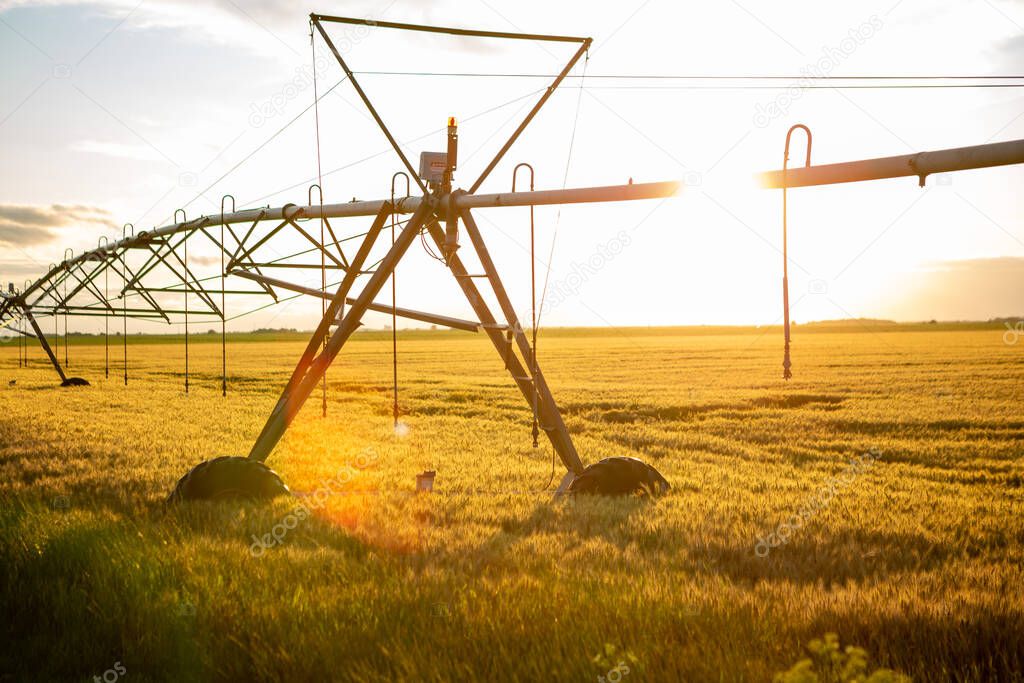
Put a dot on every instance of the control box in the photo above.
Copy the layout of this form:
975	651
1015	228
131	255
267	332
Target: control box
432	166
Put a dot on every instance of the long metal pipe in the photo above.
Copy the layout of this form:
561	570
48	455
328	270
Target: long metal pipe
611	193
579	195
921	165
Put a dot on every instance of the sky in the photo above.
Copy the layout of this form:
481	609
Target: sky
120	111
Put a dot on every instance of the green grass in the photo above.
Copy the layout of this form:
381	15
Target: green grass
917	559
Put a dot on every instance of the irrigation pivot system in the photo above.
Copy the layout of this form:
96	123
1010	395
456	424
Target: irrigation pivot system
248	246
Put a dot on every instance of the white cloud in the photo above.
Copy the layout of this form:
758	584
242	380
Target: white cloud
223	23
263	26
117	150
32	225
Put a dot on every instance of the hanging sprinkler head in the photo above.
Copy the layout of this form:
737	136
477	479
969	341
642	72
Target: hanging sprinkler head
787	364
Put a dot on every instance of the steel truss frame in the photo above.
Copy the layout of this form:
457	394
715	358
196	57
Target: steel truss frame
441	205
141	263
71	287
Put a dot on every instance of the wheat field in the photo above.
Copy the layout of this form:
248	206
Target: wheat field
877	496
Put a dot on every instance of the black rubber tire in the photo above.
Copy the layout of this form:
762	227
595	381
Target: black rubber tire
229	478
620	476
75	382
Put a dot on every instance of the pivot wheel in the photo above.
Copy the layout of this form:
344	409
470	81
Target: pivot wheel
75	382
229	478
620	476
